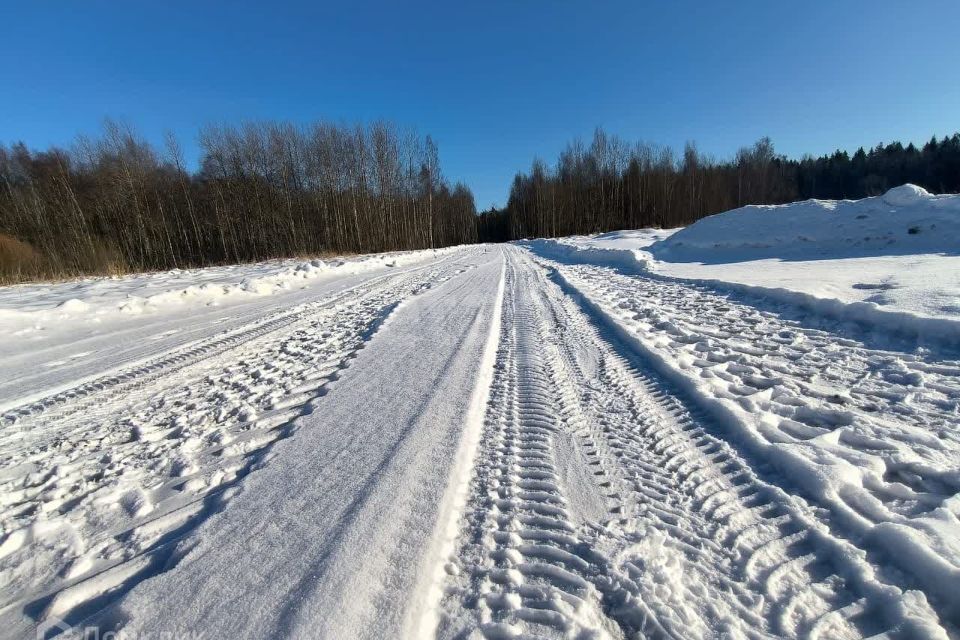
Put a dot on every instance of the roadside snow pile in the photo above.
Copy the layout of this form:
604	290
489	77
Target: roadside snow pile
212	293
905	220
36	306
891	261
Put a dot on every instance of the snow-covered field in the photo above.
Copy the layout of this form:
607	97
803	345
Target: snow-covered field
747	428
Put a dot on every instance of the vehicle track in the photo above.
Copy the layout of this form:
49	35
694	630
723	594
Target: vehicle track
54	407
812	377
860	420
602	507
523	566
95	499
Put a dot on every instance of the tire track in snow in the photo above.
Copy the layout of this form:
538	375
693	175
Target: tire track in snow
423	620
522	566
692	542
859	426
99	504
703	521
61	404
334	537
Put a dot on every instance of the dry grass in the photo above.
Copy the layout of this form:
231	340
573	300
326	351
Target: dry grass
19	261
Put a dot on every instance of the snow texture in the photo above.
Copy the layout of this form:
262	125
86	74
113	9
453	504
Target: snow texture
668	434
892	261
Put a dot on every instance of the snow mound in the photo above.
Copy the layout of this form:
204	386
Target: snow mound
807	285
906	195
73	305
889	261
905	220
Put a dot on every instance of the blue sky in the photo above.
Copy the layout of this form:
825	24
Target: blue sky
495	83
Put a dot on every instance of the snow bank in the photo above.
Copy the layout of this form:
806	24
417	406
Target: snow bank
625	259
924	329
212	293
905	220
36	306
890	262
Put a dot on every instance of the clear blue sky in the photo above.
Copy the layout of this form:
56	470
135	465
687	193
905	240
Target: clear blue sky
496	83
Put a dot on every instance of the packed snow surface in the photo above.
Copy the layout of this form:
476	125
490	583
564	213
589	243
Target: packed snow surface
125	319
558	439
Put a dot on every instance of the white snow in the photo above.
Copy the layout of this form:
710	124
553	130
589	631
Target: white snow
346	523
846	251
907	220
100	482
697	433
54	336
28	308
861	427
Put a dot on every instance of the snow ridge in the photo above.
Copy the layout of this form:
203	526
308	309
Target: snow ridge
938	331
455	497
906	220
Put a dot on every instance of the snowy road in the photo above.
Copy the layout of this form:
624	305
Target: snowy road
493	444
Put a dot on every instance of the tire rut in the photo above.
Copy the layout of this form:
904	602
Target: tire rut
78	399
522	569
691	543
120	483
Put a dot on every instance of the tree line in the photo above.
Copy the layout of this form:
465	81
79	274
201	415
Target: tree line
117	203
612	184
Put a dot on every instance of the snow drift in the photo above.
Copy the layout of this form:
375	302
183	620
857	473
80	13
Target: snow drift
891	262
41	305
905	220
